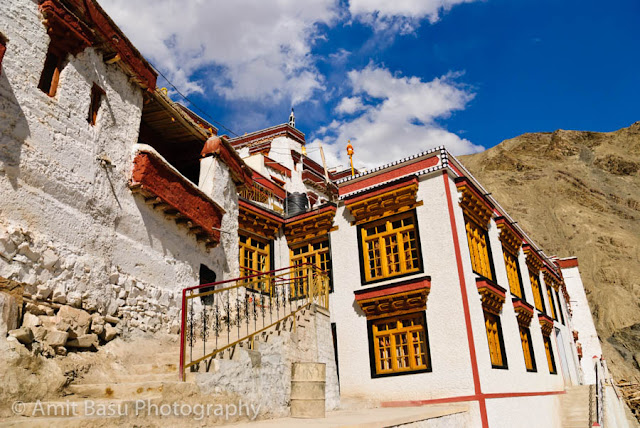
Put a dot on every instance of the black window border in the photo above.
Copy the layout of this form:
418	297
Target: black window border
505	363
372	350
553	357
527	331
363	281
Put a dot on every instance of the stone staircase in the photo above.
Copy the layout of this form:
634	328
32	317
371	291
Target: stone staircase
576	405
135	395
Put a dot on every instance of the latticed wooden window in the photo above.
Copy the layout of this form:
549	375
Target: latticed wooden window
549	351
390	247
527	349
400	344
494	337
537	291
316	253
255	258
552	306
479	248
513	274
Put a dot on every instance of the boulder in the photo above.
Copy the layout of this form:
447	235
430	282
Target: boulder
97	323
109	333
34	309
25	250
112	320
79	321
39	333
85	341
49	259
30	320
61	350
56	338
59	294
8	248
74	299
23	334
9	313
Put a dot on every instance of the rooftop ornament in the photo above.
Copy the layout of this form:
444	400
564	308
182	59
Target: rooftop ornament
350	153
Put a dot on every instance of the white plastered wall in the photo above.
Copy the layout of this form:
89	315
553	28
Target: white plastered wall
451	369
84	237
515	378
582	321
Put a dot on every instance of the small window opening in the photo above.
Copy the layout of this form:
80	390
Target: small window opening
96	99
3	48
207	276
51	72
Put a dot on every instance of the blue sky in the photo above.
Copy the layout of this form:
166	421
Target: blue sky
397	77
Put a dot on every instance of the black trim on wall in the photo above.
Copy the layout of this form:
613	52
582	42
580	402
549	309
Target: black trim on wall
559	306
553	358
531	352
361	253
330	264
372	350
524	299
489	254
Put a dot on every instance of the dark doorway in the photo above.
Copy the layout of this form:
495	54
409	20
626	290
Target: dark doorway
207	276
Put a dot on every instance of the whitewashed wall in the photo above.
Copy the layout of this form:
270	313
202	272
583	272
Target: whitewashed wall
84	238
583	323
452	374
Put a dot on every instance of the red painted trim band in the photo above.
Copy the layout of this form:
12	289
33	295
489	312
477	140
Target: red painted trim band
465	304
490	396
379	190
389	174
411	285
568	263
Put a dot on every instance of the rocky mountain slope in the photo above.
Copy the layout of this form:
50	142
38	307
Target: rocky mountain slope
578	193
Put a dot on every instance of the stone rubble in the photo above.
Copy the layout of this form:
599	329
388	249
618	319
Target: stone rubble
47	274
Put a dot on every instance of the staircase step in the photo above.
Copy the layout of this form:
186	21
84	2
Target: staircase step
154	368
119	390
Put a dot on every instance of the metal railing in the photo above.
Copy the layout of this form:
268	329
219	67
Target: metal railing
218	316
260	194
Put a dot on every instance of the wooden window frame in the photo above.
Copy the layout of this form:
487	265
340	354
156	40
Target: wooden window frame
3	49
364	256
527	348
477	253
51	70
97	93
552	305
248	271
517	290
548	349
494	364
538	299
373	350
311	252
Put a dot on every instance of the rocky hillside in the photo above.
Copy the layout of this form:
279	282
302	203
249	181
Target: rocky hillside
578	193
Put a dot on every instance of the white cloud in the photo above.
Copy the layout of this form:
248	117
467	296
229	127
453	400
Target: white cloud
400	15
257	50
401	121
350	105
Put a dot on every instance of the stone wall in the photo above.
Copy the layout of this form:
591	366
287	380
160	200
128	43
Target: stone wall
70	228
263	376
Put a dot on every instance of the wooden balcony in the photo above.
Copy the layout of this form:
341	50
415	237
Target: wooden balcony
169	192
